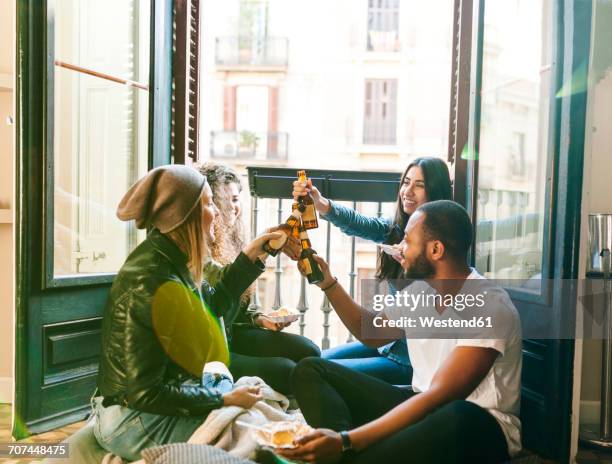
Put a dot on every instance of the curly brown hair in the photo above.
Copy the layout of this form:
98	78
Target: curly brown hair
229	237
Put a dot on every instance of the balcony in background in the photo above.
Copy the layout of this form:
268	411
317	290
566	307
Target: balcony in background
251	54
249	145
383	41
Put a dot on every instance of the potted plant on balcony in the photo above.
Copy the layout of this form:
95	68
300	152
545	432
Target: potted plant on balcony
248	143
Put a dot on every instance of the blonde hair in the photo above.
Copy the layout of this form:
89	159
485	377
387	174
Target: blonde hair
191	240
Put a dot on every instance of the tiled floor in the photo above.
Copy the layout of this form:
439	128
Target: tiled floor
592	456
585	456
55	436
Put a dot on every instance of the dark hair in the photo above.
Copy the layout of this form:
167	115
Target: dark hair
449	223
437	187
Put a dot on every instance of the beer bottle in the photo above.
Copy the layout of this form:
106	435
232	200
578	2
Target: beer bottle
308	210
272	247
313	271
295	219
298	206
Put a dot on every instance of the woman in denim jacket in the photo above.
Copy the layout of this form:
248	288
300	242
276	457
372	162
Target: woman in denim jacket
425	179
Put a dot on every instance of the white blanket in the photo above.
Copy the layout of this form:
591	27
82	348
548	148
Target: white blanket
220	428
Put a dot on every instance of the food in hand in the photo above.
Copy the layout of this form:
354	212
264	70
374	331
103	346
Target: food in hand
283	315
280	312
282	434
392	250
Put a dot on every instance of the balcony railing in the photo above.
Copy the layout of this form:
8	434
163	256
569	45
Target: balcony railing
248	53
354	186
249	145
267	183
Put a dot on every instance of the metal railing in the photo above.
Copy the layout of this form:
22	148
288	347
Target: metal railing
247	144
251	52
352	186
275	184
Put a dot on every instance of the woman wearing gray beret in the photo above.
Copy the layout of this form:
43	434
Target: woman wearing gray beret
161	321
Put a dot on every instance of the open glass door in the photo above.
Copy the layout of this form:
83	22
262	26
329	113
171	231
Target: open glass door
525	188
93	116
100	129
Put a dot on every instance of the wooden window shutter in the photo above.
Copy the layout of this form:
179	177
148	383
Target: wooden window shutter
229	108
185	79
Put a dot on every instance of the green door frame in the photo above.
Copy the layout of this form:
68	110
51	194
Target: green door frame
548	377
45	397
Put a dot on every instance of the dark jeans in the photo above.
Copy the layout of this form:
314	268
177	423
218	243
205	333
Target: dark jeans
269	355
335	397
362	358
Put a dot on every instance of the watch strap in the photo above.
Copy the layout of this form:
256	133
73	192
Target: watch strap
347	445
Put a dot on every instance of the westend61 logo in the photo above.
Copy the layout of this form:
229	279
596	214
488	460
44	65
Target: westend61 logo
484	308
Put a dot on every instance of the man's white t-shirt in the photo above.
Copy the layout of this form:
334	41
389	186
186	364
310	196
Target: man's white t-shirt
499	391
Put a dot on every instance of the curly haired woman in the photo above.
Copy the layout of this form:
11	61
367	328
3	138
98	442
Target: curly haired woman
257	345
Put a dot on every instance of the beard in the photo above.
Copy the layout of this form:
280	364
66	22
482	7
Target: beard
420	268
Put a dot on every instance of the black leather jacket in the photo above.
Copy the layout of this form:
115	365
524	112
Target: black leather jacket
135	370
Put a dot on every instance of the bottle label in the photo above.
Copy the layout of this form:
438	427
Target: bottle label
306	266
294	219
310	214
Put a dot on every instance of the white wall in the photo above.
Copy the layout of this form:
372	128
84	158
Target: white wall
597	198
7	35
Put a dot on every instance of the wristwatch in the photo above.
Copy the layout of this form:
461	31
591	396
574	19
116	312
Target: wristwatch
347	445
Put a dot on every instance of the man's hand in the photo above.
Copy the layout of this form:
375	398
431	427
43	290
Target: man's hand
328	279
245	397
263	321
321	446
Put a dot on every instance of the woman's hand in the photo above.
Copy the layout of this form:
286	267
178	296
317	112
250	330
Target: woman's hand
255	249
321	203
245	397
321	446
399	258
328	279
263	321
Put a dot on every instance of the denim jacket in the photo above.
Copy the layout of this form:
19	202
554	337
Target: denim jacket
378	230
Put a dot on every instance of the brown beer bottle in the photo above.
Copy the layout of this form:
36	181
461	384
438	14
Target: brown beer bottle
306	206
313	271
299	206
295	219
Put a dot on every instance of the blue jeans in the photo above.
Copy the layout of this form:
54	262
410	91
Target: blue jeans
362	358
126	432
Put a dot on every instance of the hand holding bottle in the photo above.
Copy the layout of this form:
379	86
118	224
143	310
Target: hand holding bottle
327	280
256	248
321	203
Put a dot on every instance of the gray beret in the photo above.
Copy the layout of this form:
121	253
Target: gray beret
164	197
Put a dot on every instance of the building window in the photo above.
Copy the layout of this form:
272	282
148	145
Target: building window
383	25
380	112
517	154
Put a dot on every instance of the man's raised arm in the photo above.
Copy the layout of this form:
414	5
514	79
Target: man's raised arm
354	316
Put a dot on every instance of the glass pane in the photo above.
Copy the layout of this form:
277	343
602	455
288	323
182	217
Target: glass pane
110	37
100	130
514	131
325	107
